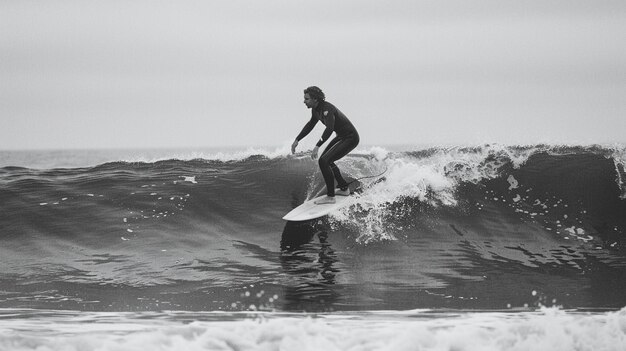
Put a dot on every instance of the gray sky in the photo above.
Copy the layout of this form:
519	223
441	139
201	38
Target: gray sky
101	74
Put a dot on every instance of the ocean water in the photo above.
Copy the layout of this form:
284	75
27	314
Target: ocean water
487	247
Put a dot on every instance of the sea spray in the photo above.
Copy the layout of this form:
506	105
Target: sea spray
430	177
543	329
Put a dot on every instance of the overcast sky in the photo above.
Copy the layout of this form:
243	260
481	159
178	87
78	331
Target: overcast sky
139	73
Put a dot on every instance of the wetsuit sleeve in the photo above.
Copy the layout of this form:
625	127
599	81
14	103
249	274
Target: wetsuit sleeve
330	127
307	128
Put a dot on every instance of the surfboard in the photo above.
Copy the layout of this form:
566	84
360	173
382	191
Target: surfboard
309	210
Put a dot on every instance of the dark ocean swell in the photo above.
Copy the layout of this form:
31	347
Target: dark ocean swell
485	227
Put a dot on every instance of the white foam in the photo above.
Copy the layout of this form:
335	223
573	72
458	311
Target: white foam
191	179
619	160
405	178
379	153
547	329
251	151
578	233
431	179
513	183
224	156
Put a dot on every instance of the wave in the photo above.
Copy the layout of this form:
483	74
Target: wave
556	185
550	184
214	224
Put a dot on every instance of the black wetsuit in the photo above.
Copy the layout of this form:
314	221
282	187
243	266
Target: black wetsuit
346	140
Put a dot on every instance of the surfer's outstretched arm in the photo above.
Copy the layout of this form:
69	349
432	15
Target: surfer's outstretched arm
305	131
308	127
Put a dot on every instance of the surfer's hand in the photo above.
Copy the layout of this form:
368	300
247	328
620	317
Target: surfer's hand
293	146
314	152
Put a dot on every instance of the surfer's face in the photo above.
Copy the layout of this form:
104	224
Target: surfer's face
309	101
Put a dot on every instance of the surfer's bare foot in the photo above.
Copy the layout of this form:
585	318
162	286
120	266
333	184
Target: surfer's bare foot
342	192
325	200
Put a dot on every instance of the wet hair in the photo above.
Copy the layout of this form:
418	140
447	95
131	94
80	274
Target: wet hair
315	93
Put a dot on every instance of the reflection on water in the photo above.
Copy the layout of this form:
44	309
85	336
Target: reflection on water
311	263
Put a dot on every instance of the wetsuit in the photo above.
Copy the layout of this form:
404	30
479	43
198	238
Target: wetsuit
346	140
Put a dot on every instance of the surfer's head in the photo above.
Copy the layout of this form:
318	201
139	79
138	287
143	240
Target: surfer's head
312	96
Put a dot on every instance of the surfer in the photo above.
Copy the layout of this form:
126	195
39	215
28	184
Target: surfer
346	139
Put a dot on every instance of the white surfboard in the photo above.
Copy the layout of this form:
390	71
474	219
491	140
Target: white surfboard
309	210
